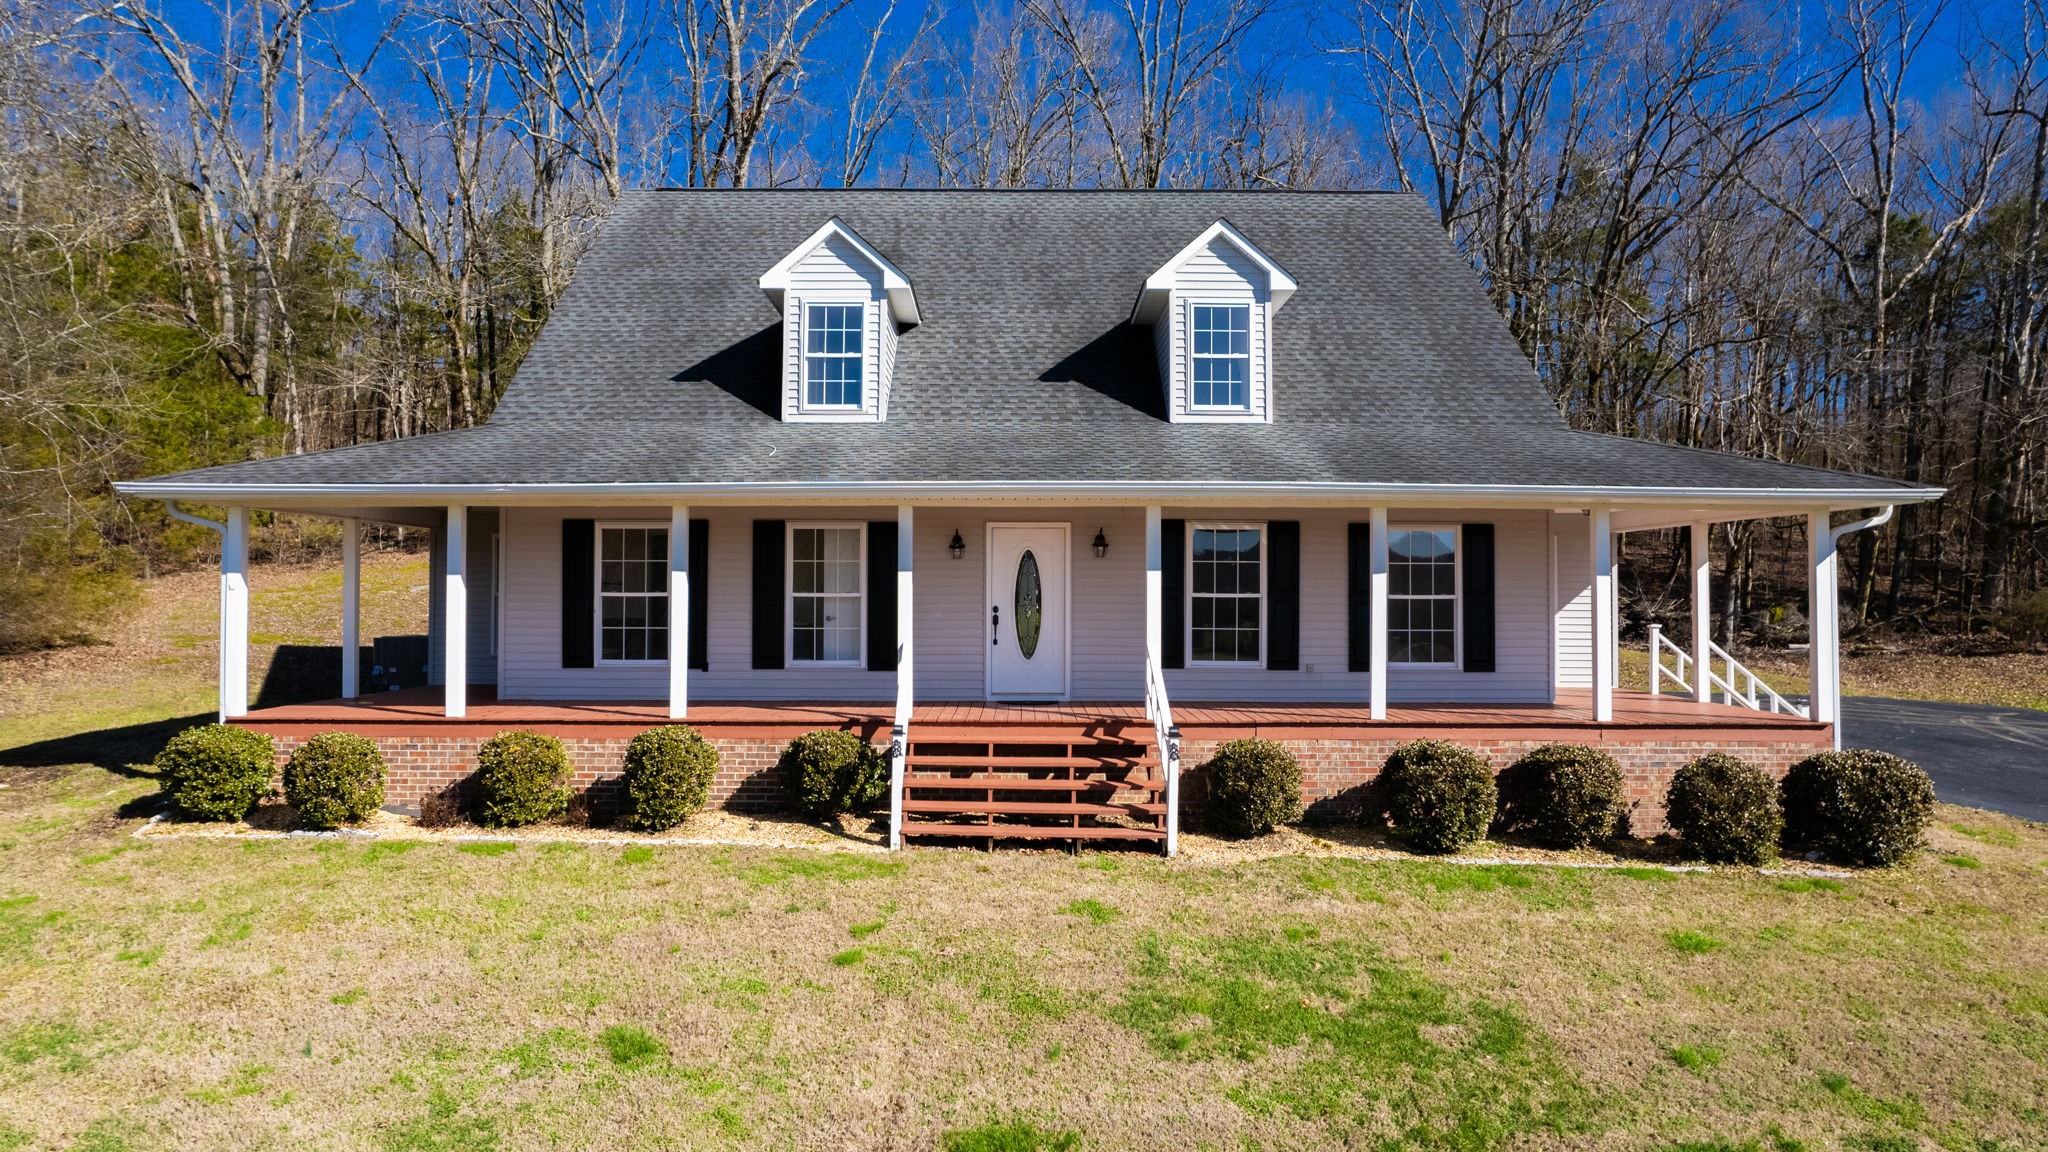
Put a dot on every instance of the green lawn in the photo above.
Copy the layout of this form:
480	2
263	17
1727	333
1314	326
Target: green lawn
335	993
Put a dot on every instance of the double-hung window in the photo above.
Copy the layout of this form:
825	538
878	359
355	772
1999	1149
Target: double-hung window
833	355
632	593
826	569
1221	340
1422	596
1226	594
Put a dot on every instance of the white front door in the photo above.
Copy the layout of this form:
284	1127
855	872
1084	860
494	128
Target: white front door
1027	629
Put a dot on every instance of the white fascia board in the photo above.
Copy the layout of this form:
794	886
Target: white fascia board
1159	286
902	301
1730	503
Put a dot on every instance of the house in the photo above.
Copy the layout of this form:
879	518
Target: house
1054	491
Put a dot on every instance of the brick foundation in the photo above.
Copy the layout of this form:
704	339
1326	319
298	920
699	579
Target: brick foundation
1338	764
418	765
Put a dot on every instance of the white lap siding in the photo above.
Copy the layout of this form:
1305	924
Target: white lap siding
482	572
533	616
1521	618
1107	640
1574	601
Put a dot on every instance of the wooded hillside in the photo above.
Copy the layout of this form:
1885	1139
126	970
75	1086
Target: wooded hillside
248	227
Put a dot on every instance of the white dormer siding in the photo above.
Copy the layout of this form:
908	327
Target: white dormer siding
1214	302
841	304
833	275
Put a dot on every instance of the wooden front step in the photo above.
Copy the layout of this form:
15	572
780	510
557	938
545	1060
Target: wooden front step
1034	832
1074	783
1095	762
982	781
966	806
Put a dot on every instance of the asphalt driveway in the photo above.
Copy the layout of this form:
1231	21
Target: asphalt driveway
1979	755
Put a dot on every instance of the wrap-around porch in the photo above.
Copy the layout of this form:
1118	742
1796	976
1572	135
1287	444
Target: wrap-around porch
1106	742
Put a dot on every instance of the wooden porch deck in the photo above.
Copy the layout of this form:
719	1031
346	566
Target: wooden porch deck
1637	716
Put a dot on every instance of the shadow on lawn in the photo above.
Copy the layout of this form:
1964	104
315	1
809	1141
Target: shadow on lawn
124	751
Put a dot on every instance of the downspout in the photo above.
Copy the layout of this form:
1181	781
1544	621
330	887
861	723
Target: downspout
1834	656
177	513
220	669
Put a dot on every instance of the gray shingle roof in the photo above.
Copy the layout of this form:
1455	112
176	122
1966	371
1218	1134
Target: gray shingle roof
1390	366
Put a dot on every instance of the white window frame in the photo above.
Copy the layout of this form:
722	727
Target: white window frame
598	594
789	595
1188	582
1251	358
803	354
1457	596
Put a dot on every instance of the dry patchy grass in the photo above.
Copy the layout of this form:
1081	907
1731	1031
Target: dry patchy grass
161	664
1307	991
209	992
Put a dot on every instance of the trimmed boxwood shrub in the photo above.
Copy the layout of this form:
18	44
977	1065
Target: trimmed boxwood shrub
1254	787
217	771
522	777
1565	795
668	776
1440	796
1859	805
1725	810
830	771
335	778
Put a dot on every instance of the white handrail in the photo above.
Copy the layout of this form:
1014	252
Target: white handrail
899	753
1160	713
1753	694
1658	672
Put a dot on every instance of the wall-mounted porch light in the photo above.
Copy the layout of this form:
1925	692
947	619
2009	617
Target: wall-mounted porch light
1101	543
958	547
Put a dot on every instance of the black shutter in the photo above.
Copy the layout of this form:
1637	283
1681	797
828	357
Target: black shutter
1173	593
768	593
1478	596
881	595
1283	594
1358	594
700	594
579	592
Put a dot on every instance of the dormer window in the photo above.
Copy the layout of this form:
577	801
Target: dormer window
833	357
1211	310
842	304
1222	356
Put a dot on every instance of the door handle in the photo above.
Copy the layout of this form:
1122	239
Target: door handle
995	625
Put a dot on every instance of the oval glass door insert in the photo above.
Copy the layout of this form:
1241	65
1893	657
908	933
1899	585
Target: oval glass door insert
1030	614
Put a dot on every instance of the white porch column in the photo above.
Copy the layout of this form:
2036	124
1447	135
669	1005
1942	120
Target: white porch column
906	647
1702	609
234	615
1155	588
351	608
1614	616
1603	615
1824	622
1376	591
678	611
455	614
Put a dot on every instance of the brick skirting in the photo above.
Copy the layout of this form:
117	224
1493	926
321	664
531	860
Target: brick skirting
1338	765
418	765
